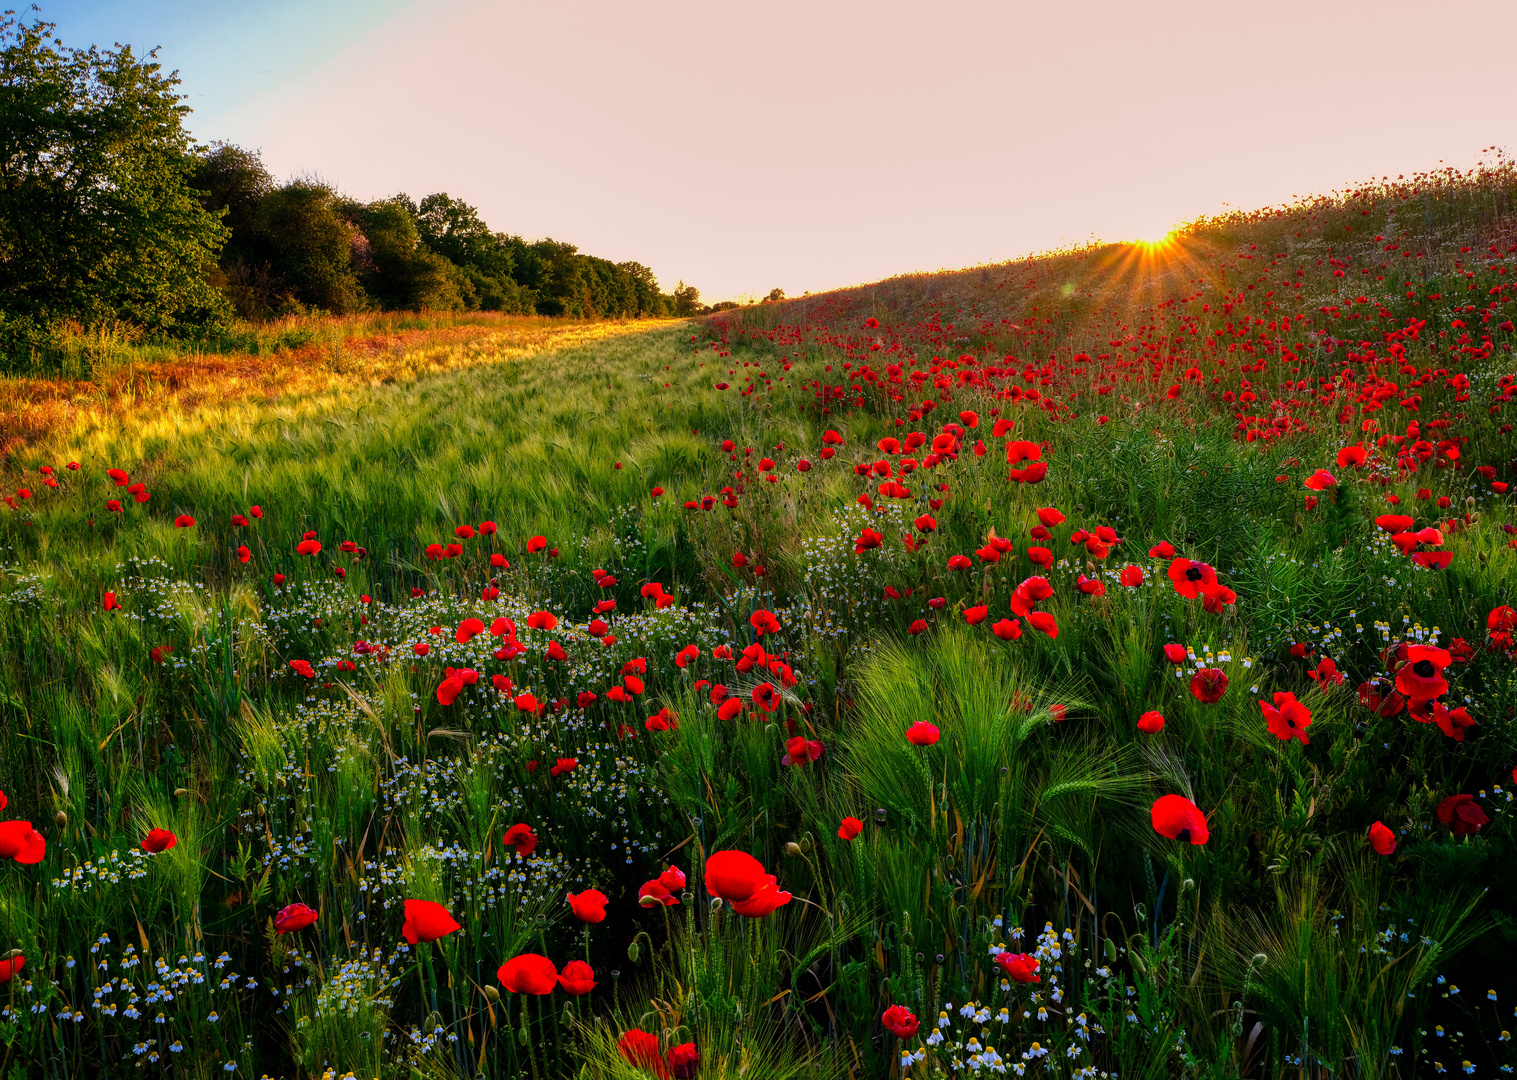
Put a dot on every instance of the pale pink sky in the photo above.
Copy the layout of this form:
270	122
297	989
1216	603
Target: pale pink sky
808	145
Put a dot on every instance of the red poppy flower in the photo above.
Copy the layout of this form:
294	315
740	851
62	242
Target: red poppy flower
918	626
467	629
159	840
1420	675
1162	550
922	734
764	622
563	764
1190	577
536	544
449	689
1326	672
528	973
421	648
577	978
1451	722
766	697
1382	840
588	906
303	667
1049	517
653	893
1041	620
522	838
19	841
1132	576
801	750
684	1061
640	1049
1031	591
1040	556
1019	967
1208	685
1287	718
1320	480
900	1021
1091	586
867	539
1351	455
109	602
10	968
735	875
1175	654
1151	723
1007	629
729	708
1178	818
1033	474
308	547
1394	523
850	828
427	920
119	476
542	620
1459	812
1381	695
293	917
976	615
1501	619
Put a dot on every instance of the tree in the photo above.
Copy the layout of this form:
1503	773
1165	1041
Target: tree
774	294
98	222
687	300
402	273
314	246
454	229
232	183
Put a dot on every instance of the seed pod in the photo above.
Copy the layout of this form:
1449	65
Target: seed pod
492	994
61	820
180	792
633	952
793	849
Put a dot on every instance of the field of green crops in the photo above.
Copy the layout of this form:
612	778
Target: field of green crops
1095	665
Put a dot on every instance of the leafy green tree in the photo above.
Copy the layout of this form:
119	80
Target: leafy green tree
454	229
687	300
774	294
232	182
314	245
98	221
399	271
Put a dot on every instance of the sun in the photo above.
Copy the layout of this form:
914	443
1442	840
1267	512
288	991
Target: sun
1153	245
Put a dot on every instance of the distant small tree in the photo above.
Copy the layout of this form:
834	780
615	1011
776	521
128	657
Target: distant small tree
774	294
98	222
687	300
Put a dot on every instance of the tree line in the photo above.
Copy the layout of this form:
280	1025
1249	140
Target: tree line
111	215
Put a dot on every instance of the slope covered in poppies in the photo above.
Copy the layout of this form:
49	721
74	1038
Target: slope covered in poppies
1097	664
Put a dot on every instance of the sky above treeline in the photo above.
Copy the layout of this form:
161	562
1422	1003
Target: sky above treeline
808	145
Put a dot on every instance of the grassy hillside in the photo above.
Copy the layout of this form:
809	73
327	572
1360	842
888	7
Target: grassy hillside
1109	654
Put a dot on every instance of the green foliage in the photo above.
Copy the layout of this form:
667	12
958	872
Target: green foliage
98	222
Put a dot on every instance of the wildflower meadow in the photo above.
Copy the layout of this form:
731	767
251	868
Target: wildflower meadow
1100	664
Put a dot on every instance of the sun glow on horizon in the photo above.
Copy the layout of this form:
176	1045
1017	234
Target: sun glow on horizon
1152	245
